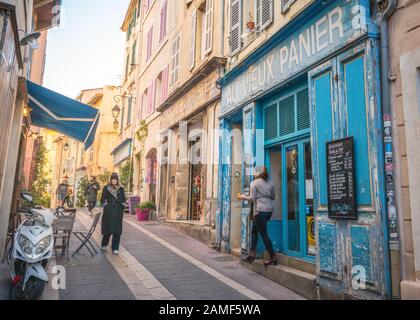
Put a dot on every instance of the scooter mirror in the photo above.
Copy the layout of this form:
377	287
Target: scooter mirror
27	196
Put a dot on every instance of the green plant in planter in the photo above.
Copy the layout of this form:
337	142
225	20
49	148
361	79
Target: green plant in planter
148	205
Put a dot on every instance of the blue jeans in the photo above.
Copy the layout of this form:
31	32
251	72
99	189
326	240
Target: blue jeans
259	226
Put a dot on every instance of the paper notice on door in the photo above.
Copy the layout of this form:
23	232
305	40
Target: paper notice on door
309	189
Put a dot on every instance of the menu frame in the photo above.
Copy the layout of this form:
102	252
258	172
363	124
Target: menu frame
351	214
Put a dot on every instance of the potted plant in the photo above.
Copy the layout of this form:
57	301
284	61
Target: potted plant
250	24
143	210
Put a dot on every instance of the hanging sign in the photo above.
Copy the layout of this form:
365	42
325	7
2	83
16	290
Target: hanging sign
340	179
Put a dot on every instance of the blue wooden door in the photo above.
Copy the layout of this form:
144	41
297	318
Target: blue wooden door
352	257
297	199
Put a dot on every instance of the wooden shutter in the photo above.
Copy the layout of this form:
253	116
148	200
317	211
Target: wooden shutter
129	111
267	13
235	26
153	107
134	53
193	39
208	36
163	21
149	43
258	14
175	60
149	99
165	87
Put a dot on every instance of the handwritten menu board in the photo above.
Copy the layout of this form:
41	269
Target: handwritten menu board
341	187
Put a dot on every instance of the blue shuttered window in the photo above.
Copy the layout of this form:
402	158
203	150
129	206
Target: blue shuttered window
303	114
288	116
271	123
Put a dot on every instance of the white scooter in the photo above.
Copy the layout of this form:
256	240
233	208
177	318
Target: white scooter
31	251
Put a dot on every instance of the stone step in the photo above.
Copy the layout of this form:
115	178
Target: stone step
296	263
236	252
298	281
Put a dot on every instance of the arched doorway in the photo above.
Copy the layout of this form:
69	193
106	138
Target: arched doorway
151	174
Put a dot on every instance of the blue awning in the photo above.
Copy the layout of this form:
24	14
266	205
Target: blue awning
59	113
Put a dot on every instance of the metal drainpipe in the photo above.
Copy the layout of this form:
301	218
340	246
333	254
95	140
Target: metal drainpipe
222	29
394	239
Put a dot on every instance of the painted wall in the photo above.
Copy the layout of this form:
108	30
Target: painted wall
344	85
11	128
279	21
404	51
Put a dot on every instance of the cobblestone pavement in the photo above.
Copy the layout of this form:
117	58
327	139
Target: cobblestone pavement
155	262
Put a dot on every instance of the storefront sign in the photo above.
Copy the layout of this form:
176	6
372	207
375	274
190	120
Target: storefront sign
340	179
203	92
325	34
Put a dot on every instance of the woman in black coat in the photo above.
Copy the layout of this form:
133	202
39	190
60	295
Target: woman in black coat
113	201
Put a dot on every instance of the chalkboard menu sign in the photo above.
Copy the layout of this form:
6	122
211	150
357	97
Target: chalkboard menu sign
341	187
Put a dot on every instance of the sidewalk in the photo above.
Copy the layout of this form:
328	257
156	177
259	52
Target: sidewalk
226	268
155	262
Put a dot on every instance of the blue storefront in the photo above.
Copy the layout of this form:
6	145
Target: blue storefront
317	80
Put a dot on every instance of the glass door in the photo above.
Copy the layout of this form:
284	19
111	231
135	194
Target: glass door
298	231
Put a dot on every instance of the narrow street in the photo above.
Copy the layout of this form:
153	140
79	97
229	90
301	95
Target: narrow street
234	150
156	263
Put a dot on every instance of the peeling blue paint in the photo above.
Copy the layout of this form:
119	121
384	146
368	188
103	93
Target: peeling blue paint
327	241
361	250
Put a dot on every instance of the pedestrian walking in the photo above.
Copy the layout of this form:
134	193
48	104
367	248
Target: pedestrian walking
262	194
62	192
113	201
92	193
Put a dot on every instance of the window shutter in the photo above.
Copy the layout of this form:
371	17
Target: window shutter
303	114
134	53
209	27
149	43
267	13
193	39
270	122
129	111
258	14
235	26
287	115
165	78
143	109
163	20
153	108
149	99
175	59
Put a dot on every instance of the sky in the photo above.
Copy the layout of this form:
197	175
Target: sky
87	50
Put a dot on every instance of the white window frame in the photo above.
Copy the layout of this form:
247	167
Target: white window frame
193	39
176	59
269	3
238	26
208	27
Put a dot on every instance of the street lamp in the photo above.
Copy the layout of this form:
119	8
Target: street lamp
115	114
30	39
117	110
